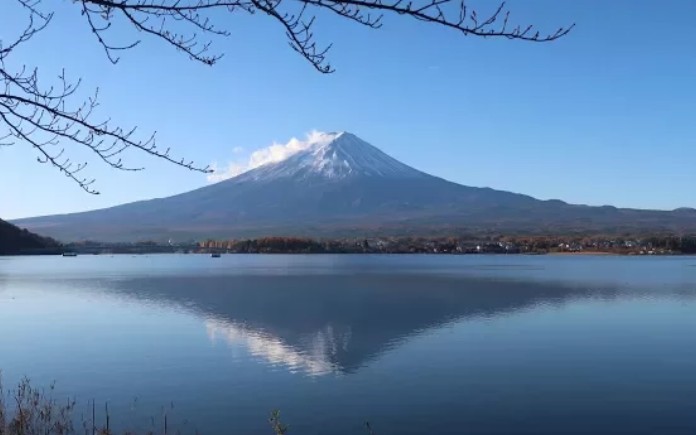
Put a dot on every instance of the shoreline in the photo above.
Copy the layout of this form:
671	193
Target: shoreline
222	252
606	253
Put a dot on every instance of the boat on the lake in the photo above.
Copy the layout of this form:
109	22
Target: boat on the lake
215	255
69	254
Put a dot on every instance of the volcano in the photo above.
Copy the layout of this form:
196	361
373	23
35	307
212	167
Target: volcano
339	185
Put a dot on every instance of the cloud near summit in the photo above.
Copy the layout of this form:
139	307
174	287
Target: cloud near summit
274	153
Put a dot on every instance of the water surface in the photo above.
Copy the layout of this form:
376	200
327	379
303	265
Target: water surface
413	344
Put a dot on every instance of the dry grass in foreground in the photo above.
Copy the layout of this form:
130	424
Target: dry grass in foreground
27	410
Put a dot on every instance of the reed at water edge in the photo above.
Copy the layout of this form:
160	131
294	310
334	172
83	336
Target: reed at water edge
26	410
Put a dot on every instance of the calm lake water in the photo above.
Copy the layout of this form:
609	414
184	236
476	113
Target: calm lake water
412	344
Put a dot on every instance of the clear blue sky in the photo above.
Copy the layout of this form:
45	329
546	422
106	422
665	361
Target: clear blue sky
604	116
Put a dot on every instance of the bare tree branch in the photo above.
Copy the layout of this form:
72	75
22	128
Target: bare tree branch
154	17
42	117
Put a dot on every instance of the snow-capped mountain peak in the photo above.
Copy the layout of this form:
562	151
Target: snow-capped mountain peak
334	156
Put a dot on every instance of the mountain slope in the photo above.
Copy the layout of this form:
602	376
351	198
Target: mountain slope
341	185
14	240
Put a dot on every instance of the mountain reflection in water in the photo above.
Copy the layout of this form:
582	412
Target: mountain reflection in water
323	324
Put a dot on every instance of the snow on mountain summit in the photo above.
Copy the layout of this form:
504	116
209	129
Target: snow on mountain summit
336	156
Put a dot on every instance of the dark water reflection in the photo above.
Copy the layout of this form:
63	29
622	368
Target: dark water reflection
414	344
323	323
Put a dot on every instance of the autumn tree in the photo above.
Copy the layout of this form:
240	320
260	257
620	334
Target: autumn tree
53	120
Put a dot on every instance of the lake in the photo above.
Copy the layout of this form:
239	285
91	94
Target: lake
412	344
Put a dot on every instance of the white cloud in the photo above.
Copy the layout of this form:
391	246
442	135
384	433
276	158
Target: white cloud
276	152
231	170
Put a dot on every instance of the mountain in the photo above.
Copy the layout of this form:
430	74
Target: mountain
340	185
14	240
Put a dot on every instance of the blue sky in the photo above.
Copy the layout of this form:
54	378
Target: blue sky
603	116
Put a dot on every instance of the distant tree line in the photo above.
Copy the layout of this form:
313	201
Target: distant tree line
685	245
627	244
14	240
669	244
281	245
